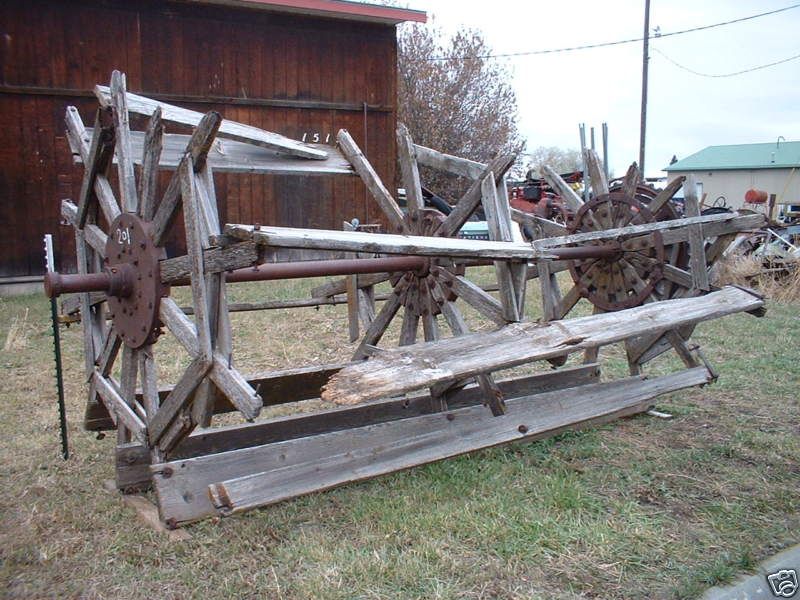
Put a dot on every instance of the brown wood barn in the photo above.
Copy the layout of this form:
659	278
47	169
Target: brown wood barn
296	67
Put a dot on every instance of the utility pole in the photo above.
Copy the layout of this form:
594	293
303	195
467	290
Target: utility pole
645	59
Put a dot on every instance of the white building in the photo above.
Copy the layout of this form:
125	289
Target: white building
727	172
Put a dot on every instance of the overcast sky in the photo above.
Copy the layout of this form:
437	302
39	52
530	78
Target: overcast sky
685	112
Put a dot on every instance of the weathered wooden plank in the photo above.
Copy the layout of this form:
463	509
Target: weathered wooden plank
150	152
697	250
235	387
359	241
94	236
101	151
422	366
732	224
179	325
186	498
448	163
632	230
474	295
215	260
375	331
177	399
285	470
499	226
148	374
666	194
229	129
631	181
76	133
385	200
407	157
229	156
199	143
127	387
597	173
551	294
126	175
547	227
471	199
116	404
194	247
492	395
562	188
278	429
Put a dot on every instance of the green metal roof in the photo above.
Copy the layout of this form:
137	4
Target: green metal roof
742	156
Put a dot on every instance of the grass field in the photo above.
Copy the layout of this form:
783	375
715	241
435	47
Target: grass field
642	508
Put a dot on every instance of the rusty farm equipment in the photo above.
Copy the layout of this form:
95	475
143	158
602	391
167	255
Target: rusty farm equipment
644	271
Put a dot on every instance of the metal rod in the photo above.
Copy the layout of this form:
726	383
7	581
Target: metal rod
62	410
323	268
57	283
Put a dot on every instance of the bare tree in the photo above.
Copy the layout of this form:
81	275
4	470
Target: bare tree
563	160
454	101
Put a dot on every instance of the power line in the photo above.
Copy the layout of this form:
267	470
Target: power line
750	70
614	43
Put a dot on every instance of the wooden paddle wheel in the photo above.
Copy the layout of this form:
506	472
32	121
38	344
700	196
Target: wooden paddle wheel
644	271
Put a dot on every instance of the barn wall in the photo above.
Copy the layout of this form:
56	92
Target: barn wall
285	73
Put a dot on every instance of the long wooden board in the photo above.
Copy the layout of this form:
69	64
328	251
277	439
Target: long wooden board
420	366
387	243
230	156
142	105
276	472
133	460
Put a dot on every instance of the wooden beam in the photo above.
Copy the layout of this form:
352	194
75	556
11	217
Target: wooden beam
666	194
201	140
472	294
150	152
422	366
251	477
80	141
229	129
100	155
116	404
129	200
547	227
406	155
369	176
697	248
359	241
597	173
471	199
215	260
448	163
229	156
630	230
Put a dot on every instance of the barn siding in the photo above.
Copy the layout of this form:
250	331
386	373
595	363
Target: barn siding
54	52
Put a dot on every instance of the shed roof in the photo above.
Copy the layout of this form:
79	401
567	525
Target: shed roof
771	155
336	9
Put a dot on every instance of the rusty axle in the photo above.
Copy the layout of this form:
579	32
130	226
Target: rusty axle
117	281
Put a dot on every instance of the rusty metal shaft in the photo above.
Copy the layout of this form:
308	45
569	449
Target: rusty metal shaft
326	268
117	281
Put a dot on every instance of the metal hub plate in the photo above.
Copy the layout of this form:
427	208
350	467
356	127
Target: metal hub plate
130	247
629	278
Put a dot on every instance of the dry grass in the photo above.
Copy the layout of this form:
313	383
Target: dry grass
641	508
779	283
